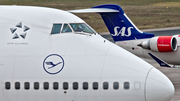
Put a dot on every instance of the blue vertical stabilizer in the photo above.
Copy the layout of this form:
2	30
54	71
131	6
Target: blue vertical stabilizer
119	25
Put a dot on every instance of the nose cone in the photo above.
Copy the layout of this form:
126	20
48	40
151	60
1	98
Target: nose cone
158	87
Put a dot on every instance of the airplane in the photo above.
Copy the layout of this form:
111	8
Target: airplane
48	54
126	35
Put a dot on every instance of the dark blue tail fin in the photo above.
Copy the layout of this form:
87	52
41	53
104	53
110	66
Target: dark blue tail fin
119	25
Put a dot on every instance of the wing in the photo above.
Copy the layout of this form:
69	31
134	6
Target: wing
159	61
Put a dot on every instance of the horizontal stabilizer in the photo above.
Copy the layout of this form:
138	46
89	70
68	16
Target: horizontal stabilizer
94	10
159	61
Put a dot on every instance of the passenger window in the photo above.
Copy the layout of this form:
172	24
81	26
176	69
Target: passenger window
66	28
116	85
56	28
95	85
17	85
75	85
126	85
8	85
46	85
36	85
85	85
137	85
105	85
26	85
65	85
55	85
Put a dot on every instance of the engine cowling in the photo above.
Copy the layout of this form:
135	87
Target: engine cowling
160	44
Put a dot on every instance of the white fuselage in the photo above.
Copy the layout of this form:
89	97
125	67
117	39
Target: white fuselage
36	65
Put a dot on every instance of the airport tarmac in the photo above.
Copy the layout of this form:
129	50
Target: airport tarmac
172	73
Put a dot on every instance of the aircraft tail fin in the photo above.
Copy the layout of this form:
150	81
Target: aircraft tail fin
119	25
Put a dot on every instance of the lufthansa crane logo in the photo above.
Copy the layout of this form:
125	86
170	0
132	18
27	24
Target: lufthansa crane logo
53	64
19	31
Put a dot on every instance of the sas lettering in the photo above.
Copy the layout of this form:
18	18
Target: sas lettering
122	31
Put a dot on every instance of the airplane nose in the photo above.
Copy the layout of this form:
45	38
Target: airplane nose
158	87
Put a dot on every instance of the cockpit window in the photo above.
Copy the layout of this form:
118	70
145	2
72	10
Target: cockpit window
56	28
81	27
66	29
